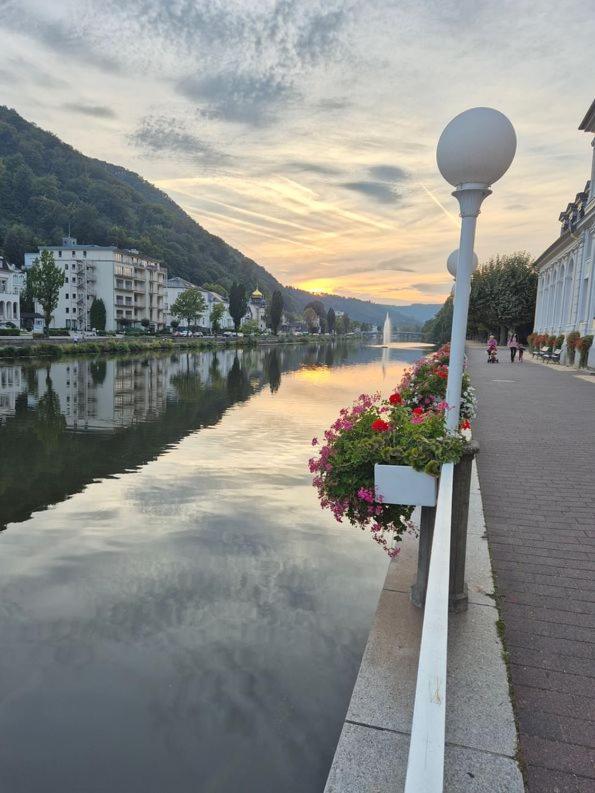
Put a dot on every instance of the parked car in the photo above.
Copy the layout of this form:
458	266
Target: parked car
8	324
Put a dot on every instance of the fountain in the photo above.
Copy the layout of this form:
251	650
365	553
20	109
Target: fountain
387	332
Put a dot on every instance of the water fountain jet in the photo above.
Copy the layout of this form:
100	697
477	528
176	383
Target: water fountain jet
387	332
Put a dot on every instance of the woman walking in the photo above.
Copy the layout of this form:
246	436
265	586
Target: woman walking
513	345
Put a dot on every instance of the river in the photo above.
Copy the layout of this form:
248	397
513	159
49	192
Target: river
176	612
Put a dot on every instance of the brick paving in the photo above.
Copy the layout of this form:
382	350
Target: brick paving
537	476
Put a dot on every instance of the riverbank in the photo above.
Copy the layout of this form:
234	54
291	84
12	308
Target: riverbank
56	346
481	740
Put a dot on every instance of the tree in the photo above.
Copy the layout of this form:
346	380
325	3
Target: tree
217	313
276	310
44	280
318	307
17	241
145	322
438	328
331	320
250	328
238	304
174	323
312	320
189	305
97	314
343	323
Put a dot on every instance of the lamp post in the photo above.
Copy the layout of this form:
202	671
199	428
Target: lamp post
475	149
452	261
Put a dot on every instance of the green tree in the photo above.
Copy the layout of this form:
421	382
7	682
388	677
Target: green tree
438	328
217	313
238	304
145	322
44	280
276	311
17	240
174	323
343	323
318	307
189	305
250	328
97	314
331	320
312	320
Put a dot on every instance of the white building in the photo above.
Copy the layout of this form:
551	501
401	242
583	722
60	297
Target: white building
11	283
566	286
176	286
131	285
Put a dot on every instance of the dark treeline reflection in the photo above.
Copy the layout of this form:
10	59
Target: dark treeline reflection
74	421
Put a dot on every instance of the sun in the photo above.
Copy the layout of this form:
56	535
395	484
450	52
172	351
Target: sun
319	285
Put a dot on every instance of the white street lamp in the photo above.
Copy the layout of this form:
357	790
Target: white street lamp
475	149
452	261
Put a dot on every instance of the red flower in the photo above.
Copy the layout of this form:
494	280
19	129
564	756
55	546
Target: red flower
465	424
417	411
380	426
441	373
395	399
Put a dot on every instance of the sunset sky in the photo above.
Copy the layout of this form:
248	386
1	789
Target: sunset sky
303	132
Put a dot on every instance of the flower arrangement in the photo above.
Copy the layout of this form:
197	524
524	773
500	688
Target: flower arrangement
407	428
572	345
584	345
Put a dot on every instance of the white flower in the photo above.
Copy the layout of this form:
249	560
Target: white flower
466	435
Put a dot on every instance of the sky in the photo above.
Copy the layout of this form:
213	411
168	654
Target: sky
303	132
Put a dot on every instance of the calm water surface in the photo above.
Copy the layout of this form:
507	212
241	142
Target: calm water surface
176	612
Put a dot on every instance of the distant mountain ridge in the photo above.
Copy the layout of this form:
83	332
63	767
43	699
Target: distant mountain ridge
46	186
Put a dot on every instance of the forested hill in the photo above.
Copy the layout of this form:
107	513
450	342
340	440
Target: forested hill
47	186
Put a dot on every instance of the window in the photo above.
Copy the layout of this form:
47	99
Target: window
66	309
59	254
85	254
74	253
66	280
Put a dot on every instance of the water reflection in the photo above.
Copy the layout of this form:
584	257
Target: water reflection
176	612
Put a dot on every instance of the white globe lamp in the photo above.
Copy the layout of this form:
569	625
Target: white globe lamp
476	147
452	261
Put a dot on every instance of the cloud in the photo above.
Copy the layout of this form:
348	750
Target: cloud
97	111
432	289
379	191
388	173
313	167
167	137
393	264
242	98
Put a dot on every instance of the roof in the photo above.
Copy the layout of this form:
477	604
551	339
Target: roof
180	283
588	122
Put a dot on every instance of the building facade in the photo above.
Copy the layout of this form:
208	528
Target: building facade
132	286
11	284
256	311
176	286
566	285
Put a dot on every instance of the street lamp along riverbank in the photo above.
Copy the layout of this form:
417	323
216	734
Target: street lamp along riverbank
475	149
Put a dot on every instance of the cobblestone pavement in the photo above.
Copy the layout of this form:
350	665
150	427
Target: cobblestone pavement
536	467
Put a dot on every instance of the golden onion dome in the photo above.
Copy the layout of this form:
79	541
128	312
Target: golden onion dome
257	293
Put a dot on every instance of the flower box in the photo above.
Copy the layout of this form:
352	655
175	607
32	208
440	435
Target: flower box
401	484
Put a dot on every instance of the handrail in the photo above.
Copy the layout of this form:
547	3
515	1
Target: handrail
425	766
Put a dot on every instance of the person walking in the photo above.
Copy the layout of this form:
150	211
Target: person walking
521	349
513	345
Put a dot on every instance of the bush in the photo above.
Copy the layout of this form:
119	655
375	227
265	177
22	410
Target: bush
571	341
10	332
8	351
48	350
584	347
559	341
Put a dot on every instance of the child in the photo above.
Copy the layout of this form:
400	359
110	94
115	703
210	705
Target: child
520	351
492	348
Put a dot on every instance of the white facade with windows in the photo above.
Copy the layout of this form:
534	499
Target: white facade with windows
177	286
11	284
132	286
566	286
256	311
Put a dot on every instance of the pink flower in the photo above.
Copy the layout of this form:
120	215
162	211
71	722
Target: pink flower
314	441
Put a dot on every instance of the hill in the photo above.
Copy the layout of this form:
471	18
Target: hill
47	186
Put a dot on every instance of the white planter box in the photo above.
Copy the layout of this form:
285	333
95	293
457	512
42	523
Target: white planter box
401	484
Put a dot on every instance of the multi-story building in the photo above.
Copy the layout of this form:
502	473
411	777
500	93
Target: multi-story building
566	286
131	285
11	284
176	286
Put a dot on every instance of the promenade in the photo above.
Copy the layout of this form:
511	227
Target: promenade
537	475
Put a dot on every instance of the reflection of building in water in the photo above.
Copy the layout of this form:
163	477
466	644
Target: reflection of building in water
107	394
11	385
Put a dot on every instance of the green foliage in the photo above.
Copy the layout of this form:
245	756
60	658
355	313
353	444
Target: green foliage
46	184
238	304
217	313
276	310
318	307
145	322
10	332
343	324
438	328
503	295
312	320
189	305
331	320
44	281
250	328
97	314
571	341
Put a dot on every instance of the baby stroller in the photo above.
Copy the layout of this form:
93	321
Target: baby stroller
493	355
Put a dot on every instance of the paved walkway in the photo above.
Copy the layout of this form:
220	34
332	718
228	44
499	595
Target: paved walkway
536	427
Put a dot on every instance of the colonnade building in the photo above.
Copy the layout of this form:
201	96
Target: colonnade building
566	286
